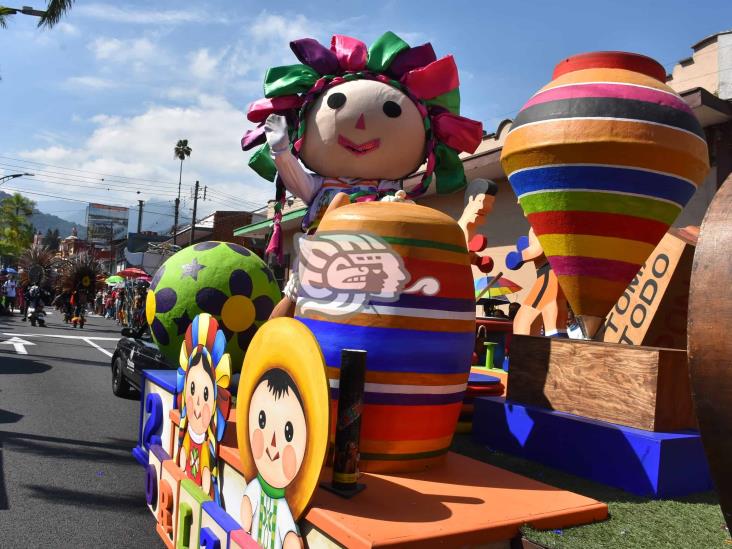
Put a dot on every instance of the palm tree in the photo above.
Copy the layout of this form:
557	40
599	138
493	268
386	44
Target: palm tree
4	12
54	11
181	152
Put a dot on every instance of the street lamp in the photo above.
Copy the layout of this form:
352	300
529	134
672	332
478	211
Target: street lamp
26	10
5	178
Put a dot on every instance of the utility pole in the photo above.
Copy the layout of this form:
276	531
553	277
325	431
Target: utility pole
175	221
195	206
139	215
112	255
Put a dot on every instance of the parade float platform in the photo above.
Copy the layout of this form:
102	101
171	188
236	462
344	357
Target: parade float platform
645	463
466	503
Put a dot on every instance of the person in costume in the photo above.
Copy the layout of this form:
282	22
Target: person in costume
361	120
203	380
282	430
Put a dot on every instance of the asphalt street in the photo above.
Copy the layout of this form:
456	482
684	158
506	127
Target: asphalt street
67	477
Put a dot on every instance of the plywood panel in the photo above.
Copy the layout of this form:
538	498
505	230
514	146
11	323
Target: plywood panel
642	387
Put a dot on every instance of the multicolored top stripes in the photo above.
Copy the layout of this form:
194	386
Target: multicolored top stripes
603	159
419	346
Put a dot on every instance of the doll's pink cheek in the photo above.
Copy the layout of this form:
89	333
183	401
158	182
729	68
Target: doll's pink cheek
257	443
289	462
206	415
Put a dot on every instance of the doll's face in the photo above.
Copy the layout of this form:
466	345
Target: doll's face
364	129
277	434
199	395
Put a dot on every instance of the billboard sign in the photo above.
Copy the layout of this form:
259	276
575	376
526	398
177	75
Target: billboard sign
105	223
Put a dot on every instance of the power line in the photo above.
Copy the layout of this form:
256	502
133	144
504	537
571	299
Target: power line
81	201
60	175
94	187
115	184
89	171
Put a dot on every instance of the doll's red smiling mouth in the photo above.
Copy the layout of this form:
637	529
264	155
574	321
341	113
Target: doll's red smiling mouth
355	148
276	456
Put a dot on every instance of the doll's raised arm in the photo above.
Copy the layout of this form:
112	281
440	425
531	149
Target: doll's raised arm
296	179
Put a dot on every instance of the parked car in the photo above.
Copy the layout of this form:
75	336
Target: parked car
135	352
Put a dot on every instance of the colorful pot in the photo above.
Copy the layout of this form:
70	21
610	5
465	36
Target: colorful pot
419	346
603	159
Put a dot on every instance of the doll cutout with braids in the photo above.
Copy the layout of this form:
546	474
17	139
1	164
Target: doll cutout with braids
203	380
361	120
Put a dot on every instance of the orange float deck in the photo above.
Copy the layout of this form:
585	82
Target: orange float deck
466	503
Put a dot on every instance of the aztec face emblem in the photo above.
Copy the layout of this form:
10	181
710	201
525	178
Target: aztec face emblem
340	273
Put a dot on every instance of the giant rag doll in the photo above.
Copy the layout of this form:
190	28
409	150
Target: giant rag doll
361	120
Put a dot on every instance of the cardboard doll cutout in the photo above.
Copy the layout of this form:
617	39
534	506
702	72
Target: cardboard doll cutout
282	426
362	119
203	380
545	305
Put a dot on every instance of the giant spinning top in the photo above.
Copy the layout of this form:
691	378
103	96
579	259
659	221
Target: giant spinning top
603	160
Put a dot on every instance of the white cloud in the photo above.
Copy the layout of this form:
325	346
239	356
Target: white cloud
67	28
280	29
203	64
114	49
141	146
107	12
89	82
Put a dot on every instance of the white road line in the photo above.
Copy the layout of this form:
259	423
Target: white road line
90	342
89	339
62	336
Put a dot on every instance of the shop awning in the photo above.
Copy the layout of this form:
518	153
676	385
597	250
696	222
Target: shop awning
262	227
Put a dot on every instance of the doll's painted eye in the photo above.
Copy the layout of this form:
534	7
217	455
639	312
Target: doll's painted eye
392	109
336	100
193	388
289	431
205	394
262	419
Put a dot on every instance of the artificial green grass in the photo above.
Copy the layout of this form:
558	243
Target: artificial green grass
693	522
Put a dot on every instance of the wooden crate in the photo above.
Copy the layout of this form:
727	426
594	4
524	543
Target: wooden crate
643	387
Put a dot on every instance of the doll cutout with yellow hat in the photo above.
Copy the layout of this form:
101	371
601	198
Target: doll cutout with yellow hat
282	426
203	380
362	120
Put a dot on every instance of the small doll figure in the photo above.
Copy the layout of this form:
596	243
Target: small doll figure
282	430
203	378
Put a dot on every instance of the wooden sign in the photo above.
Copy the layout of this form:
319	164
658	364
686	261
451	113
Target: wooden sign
653	309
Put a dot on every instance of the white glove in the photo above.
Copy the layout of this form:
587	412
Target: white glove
399	196
275	130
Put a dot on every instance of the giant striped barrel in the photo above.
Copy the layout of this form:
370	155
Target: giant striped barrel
419	344
603	159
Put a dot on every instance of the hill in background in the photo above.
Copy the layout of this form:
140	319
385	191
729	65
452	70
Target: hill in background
43	221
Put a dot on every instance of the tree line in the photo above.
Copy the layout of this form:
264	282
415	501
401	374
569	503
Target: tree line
17	231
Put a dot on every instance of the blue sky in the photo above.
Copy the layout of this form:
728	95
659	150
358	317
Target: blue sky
111	88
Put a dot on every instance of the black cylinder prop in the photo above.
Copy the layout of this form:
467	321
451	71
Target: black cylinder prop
348	426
